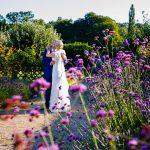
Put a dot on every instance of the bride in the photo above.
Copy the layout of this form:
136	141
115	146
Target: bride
59	99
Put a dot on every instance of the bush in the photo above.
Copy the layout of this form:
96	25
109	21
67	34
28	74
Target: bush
76	48
13	87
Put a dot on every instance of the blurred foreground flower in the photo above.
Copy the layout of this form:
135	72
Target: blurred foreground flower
78	88
52	147
41	84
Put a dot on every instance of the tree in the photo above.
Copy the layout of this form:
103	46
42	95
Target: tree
2	23
85	29
131	27
30	34
65	27
14	17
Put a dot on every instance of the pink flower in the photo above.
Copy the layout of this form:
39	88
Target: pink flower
96	37
16	98
52	147
101	114
34	113
40	83
111	113
109	137
72	70
65	121
93	123
118	70
147	67
127	63
86	52
132	144
24	105
28	132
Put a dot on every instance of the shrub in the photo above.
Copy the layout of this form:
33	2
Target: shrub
77	48
13	87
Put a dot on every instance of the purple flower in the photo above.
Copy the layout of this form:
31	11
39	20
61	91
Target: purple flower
101	114
71	137
96	37
110	137
132	143
111	32
126	43
147	67
78	88
72	70
65	121
136	42
34	113
106	37
40	83
28	132
145	132
118	70
144	147
93	53
143	112
86	52
94	123
69	114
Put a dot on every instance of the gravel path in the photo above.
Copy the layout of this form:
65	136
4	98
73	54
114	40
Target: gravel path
19	124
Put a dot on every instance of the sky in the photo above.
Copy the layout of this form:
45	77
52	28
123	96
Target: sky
50	10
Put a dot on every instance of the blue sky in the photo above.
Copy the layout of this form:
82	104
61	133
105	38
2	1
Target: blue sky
73	9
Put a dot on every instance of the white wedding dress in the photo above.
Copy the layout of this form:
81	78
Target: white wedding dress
59	99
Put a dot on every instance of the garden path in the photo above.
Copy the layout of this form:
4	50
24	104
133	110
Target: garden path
20	123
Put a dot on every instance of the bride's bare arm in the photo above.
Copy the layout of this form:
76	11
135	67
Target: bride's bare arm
50	55
63	56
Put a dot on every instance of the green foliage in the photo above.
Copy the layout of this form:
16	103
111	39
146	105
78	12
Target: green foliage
14	17
28	34
77	48
84	29
123	29
65	27
4	38
13	87
148	52
2	23
131	27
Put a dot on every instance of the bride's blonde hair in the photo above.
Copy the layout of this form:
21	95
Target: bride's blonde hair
58	44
